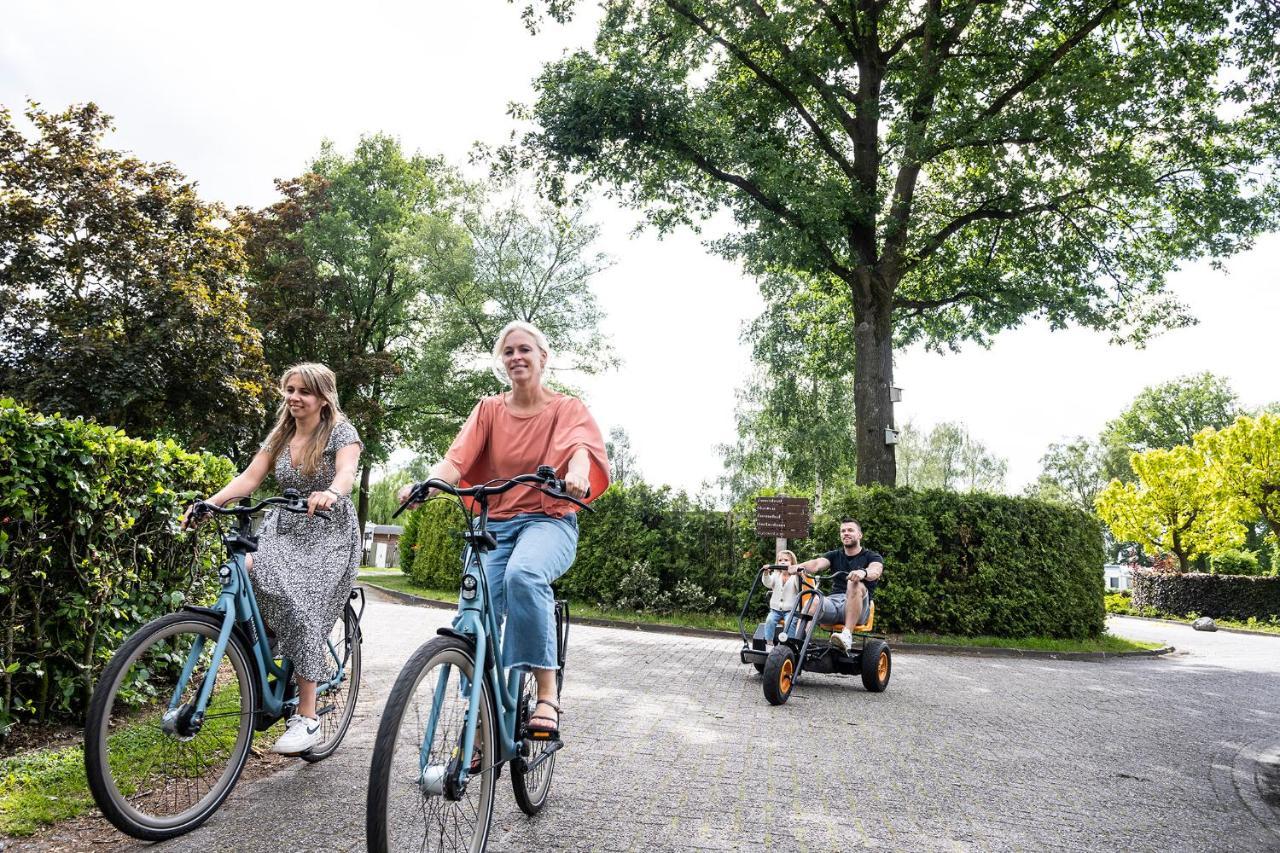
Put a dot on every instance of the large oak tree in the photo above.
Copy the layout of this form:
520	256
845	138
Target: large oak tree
950	168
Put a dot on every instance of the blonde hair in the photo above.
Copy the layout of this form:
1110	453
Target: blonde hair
319	380
518	326
777	557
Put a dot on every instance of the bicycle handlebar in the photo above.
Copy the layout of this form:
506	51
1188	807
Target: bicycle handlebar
544	480
290	501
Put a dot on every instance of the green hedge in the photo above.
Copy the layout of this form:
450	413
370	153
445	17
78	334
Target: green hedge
431	545
1220	596
955	563
89	550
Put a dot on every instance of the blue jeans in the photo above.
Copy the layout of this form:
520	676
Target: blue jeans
533	550
771	622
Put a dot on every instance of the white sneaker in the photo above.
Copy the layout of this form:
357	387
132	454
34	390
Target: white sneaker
846	639
302	734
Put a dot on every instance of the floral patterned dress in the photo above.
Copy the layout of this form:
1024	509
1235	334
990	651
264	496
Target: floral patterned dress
305	567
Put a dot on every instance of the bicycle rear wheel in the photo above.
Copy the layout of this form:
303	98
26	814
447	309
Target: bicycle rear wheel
415	804
155	772
532	769
337	705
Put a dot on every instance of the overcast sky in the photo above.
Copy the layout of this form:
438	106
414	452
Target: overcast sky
239	94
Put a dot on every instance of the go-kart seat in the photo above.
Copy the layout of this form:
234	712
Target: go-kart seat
871	620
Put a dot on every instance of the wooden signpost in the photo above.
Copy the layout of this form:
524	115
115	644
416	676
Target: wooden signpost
783	519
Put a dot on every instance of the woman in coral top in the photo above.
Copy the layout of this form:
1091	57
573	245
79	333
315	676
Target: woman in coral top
511	434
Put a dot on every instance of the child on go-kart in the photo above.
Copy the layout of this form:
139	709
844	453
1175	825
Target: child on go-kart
785	584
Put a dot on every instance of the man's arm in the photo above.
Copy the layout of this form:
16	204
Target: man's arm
871	573
814	566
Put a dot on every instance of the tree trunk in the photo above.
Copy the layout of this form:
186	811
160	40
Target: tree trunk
872	379
362	507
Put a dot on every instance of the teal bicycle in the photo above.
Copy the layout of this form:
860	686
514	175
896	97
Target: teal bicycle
172	718
450	725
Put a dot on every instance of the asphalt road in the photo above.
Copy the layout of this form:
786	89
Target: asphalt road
671	746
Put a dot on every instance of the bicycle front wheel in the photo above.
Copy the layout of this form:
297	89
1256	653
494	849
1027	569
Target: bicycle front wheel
415	802
336	705
157	769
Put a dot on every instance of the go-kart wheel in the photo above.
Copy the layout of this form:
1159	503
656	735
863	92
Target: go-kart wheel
877	664
779	674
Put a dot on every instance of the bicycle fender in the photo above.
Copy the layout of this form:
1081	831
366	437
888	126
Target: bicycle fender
458	635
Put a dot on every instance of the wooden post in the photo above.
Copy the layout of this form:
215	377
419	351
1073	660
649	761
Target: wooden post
779	544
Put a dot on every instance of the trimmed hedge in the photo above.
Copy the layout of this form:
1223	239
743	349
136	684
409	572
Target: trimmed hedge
955	563
89	551
1221	596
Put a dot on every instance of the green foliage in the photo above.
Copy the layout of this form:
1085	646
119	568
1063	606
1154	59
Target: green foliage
955	563
1244	461
1174	506
977	564
1071	473
1234	562
408	540
437	545
945	170
121	297
1118	602
947	457
1165	416
89	551
342	268
795	415
383	501
1218	596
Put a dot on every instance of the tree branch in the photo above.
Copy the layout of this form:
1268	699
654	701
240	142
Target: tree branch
770	204
1038	73
823	140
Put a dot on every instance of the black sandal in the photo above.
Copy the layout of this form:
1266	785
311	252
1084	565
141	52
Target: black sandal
551	732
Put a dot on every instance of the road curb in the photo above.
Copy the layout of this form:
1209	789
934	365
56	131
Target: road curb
898	647
1188	625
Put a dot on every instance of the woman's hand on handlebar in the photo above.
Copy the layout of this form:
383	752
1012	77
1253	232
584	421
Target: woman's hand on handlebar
195	515
576	484
320	501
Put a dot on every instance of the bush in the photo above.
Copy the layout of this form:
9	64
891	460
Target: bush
639	590
1219	596
89	551
408	541
1235	562
437	546
1118	602
955	563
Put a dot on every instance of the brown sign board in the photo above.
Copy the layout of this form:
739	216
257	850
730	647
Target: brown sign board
780	517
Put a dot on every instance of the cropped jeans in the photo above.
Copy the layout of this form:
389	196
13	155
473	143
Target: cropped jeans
533	550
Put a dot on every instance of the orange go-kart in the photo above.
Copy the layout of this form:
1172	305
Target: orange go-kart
797	649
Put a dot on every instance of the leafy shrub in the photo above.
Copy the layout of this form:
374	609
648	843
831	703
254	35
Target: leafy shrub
437	546
89	551
1235	562
409	540
639	590
1118	602
955	563
690	598
1219	596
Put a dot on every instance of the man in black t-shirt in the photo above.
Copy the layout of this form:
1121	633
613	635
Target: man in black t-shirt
855	572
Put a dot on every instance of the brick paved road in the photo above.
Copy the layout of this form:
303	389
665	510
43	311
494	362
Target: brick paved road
672	747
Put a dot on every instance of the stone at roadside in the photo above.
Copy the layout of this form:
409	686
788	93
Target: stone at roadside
1204	623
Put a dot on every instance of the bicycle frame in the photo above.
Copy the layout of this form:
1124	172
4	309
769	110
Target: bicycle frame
238	606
